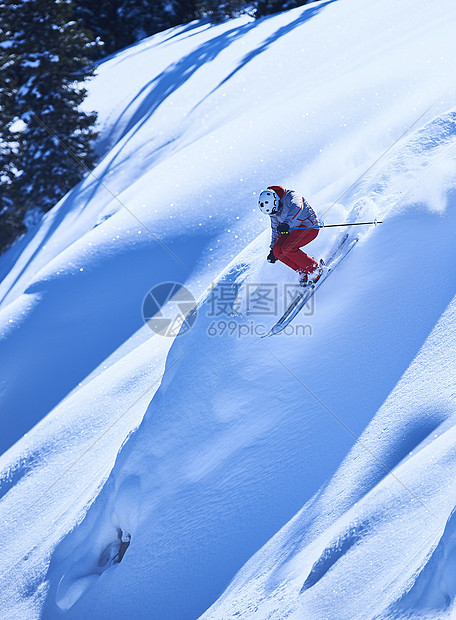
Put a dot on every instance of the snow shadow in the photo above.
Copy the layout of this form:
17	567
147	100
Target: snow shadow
88	320
154	93
138	48
58	214
14	476
308	13
332	553
434	590
97	545
411	435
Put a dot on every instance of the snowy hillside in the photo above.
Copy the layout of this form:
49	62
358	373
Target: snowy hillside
309	475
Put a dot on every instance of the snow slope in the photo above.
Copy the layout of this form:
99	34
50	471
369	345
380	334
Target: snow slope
240	433
382	519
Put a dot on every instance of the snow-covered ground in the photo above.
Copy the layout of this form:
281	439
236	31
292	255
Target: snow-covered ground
310	475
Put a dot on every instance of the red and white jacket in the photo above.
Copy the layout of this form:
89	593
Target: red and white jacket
294	210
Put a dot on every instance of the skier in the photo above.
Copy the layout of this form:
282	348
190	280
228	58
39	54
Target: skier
294	224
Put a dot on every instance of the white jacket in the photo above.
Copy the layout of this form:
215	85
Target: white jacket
295	211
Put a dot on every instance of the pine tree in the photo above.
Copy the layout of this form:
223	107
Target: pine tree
183	11
11	219
218	10
267	7
44	60
103	19
119	23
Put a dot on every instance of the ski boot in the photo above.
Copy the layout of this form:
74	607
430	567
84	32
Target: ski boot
310	279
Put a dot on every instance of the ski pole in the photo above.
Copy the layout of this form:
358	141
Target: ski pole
375	222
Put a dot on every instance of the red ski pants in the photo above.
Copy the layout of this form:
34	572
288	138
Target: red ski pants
286	249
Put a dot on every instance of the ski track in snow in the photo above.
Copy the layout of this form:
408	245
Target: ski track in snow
146	477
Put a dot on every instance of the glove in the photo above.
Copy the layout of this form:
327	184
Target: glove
283	228
271	258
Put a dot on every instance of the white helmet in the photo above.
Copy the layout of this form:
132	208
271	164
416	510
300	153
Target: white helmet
268	201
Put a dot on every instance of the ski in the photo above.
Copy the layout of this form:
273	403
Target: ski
308	292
